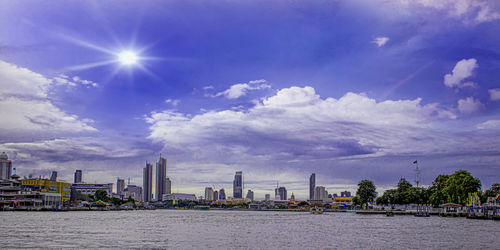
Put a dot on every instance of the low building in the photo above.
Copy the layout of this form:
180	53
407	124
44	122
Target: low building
179	196
53	191
133	191
90	189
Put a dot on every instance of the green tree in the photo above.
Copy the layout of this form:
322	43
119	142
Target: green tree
437	195
459	185
303	203
366	191
101	195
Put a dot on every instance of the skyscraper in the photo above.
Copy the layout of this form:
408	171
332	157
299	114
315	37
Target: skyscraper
78	176
147	182
216	195
222	194
268	197
312	185
238	185
250	195
161	178
53	177
5	167
320	193
168	186
209	194
120	185
281	193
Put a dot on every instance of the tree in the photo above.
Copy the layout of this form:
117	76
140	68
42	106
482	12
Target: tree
303	203
366	191
437	195
459	185
101	195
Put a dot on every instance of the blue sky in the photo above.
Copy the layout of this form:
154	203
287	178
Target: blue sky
346	89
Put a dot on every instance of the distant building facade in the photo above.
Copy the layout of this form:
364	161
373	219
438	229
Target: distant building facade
53	176
345	194
120	186
133	191
86	188
216	195
55	191
161	177
250	195
78	176
179	196
147	182
5	167
209	194
222	194
268	197
281	193
238	185
312	185
168	186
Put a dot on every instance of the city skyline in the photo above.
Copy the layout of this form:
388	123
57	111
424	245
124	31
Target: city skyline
348	90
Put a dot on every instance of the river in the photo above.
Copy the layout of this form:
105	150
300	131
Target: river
190	229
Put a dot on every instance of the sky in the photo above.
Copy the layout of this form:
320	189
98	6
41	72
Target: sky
349	90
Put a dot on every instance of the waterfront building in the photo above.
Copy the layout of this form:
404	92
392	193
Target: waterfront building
238	185
209	194
281	193
216	195
87	189
179	196
53	177
320	193
161	177
312	185
250	195
222	194
53	193
78	176
147	182
168	186
133	191
120	185
345	194
5	167
268	197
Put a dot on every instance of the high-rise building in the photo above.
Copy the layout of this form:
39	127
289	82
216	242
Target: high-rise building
312	185
78	176
268	197
222	194
168	186
320	193
345	194
281	193
216	195
120	186
209	194
53	177
5	167
161	177
250	195
238	185
147	182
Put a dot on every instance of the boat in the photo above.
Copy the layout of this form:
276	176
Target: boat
389	213
202	207
317	210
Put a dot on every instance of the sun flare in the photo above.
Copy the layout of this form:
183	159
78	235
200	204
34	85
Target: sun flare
128	57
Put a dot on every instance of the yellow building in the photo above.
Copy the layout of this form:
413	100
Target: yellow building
48	186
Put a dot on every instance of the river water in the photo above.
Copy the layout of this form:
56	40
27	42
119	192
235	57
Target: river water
189	229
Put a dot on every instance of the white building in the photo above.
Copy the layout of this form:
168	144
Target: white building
209	194
179	196
5	167
87	189
320	193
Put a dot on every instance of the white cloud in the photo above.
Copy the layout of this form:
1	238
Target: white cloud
469	105
26	108
462	70
241	89
73	82
494	94
491	124
380	41
173	102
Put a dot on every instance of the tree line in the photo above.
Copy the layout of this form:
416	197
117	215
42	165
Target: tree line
453	188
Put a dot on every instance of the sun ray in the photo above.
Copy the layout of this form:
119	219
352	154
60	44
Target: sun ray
86	44
91	65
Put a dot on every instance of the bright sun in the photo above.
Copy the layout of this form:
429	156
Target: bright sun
127	57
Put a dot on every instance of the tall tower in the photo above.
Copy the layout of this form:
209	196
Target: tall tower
238	185
147	182
5	167
78	176
312	185
53	177
161	178
120	186
168	185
